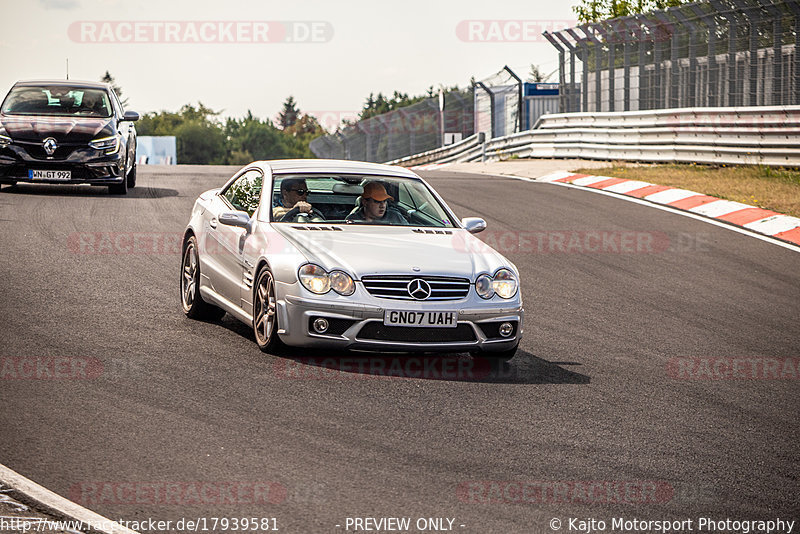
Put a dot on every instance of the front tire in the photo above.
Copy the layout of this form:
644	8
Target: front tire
265	318
191	301
132	177
120	188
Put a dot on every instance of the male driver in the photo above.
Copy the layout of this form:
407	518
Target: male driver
294	193
374	207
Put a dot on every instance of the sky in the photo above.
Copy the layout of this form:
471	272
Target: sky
240	55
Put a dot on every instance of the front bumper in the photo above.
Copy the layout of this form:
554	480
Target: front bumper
84	164
357	323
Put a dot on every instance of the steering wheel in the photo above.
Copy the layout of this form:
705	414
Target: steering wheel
295	215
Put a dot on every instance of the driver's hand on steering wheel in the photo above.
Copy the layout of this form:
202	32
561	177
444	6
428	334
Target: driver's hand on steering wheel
303	206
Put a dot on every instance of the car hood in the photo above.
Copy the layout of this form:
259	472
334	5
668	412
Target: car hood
62	129
370	250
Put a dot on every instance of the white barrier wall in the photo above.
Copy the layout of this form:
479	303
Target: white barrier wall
748	135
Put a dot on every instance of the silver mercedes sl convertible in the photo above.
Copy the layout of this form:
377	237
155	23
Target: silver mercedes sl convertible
348	255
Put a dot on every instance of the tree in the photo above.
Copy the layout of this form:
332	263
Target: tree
289	113
261	139
597	10
203	139
201	143
107	78
536	75
305	130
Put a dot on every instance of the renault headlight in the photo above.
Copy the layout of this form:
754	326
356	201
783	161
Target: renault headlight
503	284
319	281
109	144
4	139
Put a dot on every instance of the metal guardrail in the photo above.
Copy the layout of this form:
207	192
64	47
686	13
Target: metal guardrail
748	135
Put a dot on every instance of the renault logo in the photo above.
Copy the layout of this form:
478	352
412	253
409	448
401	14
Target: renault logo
50	145
419	289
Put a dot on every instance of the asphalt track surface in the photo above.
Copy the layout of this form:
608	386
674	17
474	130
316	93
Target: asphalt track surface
592	396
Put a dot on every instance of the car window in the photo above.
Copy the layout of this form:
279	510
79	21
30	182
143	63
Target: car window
57	100
244	193
338	199
117	103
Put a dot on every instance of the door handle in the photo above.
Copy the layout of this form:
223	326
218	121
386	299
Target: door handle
213	223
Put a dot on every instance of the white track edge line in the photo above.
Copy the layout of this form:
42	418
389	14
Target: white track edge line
664	207
744	231
55	503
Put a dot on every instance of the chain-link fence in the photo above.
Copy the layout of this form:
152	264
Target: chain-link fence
705	54
403	132
498	104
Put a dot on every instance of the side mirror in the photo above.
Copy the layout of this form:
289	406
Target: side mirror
473	225
130	116
239	219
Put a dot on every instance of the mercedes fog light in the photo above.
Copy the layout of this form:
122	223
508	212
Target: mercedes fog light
320	325
506	329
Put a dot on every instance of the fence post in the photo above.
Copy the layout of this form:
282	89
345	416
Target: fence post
654	29
608	36
491	107
794	6
563	92
668	27
585	59
685	21
711	66
620	27
520	111
598	62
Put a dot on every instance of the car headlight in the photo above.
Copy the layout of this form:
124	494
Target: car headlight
109	144
483	285
342	283
314	278
319	281
5	141
503	284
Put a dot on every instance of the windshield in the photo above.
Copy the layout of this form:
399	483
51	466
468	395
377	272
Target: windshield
57	100
356	199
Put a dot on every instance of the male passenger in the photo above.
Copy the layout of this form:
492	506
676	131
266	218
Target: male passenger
374	207
294	193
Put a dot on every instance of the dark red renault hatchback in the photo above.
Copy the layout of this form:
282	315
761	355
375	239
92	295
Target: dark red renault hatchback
67	132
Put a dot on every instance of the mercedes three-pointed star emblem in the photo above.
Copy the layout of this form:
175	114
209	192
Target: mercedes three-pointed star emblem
419	289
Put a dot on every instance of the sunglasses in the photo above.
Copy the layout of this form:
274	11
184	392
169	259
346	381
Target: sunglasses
300	192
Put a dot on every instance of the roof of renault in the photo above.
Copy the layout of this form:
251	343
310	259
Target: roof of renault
66	83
